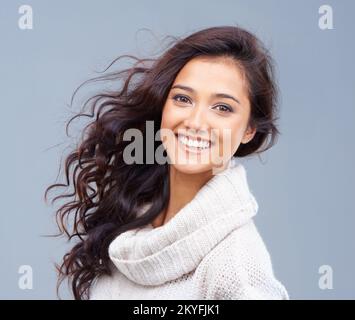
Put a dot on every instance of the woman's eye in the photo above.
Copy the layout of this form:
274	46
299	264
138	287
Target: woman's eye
180	98
224	108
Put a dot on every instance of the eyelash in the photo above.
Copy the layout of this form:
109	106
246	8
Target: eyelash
229	109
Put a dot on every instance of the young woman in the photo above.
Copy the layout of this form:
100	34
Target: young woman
182	229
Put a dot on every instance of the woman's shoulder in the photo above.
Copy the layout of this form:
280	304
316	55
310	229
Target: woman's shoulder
240	267
239	247
105	286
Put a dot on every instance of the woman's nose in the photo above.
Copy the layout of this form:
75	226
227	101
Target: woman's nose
196	119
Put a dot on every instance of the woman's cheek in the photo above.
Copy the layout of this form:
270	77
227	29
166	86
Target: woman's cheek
229	140
170	117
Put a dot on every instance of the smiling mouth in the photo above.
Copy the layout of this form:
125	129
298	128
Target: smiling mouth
193	144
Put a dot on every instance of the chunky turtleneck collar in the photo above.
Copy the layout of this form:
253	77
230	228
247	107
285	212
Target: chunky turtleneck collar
153	256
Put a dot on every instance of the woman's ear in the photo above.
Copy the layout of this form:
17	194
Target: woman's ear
248	135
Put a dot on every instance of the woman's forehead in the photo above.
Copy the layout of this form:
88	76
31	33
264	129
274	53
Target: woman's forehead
213	75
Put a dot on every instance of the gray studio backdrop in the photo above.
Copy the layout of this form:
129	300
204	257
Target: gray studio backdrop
304	185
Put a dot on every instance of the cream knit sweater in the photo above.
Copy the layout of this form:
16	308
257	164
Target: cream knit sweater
210	249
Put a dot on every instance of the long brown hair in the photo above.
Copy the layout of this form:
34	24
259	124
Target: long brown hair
107	193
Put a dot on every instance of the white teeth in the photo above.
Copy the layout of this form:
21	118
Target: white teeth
194	143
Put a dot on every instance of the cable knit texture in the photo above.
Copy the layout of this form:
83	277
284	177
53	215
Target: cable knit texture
210	249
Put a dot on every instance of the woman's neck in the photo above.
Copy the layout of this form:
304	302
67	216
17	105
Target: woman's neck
183	188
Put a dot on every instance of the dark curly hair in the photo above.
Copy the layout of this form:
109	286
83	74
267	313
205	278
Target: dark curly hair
107	193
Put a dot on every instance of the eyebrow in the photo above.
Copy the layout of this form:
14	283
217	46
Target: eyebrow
218	95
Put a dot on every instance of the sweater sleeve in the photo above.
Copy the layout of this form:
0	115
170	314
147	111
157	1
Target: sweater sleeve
240	269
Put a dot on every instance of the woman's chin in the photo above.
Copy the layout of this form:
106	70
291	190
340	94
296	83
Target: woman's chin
192	167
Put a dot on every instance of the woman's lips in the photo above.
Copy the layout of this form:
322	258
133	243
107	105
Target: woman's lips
193	149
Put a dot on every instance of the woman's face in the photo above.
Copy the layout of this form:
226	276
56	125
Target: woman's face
206	112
